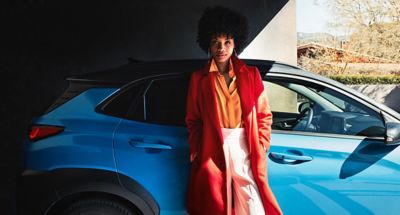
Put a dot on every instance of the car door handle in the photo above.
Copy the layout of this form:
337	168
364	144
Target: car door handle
289	158
149	144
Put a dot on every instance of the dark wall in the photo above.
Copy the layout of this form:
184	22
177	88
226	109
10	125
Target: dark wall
44	41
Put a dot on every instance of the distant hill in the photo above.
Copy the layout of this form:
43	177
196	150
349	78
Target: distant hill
313	36
321	38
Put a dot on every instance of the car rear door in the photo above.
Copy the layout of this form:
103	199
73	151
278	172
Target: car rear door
151	141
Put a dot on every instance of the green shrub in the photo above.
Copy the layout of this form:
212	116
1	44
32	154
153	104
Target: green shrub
366	79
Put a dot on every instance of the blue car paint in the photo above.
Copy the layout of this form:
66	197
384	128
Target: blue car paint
86	141
345	175
163	172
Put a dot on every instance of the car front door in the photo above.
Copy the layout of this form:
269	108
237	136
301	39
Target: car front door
327	154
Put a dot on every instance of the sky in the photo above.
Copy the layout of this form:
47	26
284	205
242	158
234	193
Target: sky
312	18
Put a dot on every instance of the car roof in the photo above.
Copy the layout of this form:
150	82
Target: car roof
132	71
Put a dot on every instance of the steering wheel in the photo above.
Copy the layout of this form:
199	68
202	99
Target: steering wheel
303	116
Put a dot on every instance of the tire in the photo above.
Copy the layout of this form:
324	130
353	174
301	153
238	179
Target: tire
98	206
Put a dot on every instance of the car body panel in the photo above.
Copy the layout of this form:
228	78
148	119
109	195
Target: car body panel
345	175
85	142
156	157
309	172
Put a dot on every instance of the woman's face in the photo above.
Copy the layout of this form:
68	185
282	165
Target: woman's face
221	48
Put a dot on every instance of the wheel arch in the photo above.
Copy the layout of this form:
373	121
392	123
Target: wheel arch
71	184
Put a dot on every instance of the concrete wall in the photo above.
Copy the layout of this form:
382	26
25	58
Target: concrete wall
278	40
385	94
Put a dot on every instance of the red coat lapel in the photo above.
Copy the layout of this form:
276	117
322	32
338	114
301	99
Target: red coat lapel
210	100
243	84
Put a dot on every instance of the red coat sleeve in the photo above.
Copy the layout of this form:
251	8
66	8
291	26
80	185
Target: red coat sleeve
264	115
193	116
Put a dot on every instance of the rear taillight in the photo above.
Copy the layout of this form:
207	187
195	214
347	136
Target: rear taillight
42	131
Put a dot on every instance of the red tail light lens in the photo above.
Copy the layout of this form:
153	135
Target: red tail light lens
42	131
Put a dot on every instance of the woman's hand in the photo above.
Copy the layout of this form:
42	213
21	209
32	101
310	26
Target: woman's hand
193	157
263	146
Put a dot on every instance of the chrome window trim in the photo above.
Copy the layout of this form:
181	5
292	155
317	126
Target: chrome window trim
315	134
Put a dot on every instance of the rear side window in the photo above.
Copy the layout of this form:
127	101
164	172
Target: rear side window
165	101
125	100
157	101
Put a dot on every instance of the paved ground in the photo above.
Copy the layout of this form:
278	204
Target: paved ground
8	190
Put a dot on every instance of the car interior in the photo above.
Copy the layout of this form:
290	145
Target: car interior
323	110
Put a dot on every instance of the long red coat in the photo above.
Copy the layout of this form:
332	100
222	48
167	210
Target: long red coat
207	193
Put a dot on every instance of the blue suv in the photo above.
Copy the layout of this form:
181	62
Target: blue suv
115	142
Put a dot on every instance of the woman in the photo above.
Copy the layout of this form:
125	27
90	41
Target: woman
229	124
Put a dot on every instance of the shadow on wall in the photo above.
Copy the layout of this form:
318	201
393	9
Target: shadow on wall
385	94
45	41
392	99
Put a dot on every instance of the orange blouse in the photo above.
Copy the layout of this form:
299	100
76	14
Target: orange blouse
228	100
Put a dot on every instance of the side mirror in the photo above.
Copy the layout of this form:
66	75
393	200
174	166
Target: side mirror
392	133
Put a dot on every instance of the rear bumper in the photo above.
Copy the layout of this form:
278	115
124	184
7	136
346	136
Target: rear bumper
36	193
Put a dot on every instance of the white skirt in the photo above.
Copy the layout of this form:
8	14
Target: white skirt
242	189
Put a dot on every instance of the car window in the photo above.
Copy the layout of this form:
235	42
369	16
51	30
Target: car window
157	101
126	100
165	101
341	103
319	109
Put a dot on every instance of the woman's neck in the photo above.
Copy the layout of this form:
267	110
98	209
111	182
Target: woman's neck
223	67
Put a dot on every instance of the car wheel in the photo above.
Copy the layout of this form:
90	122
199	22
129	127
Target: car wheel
98	206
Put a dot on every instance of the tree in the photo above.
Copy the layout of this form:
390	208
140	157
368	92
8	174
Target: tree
374	26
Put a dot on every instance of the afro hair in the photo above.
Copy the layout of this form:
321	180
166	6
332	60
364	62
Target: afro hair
219	21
